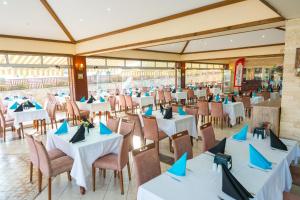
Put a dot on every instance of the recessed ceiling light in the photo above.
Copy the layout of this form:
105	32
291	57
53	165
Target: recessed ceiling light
81	20
108	9
4	2
231	40
263	36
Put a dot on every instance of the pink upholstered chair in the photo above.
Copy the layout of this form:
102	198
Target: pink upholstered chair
51	168
295	171
127	127
193	110
146	164
290	196
153	94
208	136
247	105
161	97
203	110
217	113
113	123
70	111
122	102
4	123
168	97
114	162
182	144
79	114
131	105
151	131
138	129
51	109
191	96
112	101
175	107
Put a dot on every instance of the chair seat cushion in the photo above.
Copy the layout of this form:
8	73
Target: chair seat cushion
162	135
55	153
109	161
295	171
61	165
290	196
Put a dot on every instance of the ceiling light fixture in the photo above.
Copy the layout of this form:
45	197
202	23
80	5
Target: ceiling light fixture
4	2
81	20
231	40
108	9
263	36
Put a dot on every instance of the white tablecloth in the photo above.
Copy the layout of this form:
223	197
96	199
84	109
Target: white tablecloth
175	125
94	107
86	152
274	95
201	182
200	93
215	91
257	99
28	116
144	100
179	95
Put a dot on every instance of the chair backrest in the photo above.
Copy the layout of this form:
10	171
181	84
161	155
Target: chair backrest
182	144
161	96
190	94
153	94
3	108
168	96
112	101
122	101
33	154
127	127
216	109
2	119
193	110
69	107
203	108
208	136
146	163
51	109
75	108
246	101
175	108
138	129
150	128
113	123
44	160
128	100
123	157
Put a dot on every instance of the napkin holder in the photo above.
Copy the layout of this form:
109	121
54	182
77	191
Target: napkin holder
259	131
223	159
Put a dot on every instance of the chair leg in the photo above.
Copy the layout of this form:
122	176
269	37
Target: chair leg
121	182
49	188
40	180
94	178
69	176
4	134
115	173
30	175
104	173
192	141
129	173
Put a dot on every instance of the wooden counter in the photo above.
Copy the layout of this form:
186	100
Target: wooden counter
267	111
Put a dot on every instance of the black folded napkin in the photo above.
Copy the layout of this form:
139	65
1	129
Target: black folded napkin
28	104
138	94
168	113
6	98
233	99
90	124
79	135
276	142
250	94
91	99
219	148
19	108
210	98
24	98
161	109
55	94
232	187
174	91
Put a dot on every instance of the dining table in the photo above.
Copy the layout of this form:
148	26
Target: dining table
179	96
203	182
95	107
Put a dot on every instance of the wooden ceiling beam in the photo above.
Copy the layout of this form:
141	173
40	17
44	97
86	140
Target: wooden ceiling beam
185	46
58	21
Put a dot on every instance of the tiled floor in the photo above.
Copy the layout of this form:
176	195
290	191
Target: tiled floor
14	176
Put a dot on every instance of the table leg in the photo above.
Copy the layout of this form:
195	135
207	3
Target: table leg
82	190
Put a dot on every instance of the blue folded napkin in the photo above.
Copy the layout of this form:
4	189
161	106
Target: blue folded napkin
104	129
254	94
82	99
38	106
257	159
180	111
102	99
242	134
179	167
64	128
226	100
147	94
149	111
130	94
14	106
217	98
235	93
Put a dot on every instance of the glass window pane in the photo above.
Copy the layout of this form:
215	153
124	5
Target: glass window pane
95	61
203	66
55	60
133	63
195	65
115	62
171	64
148	64
161	64
2	59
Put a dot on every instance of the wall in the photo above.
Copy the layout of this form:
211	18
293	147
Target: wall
290	113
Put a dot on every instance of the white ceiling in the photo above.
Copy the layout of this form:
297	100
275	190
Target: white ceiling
85	18
28	18
173	48
288	8
253	38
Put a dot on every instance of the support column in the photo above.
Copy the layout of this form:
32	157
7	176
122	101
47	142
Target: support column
78	78
181	66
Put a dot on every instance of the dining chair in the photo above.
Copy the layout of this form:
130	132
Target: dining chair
112	102
208	136
168	97
191	96
70	111
193	110
153	94
217	113
203	110
114	162
295	171
79	114
175	107
131	105
290	196
161	97
246	100
113	123
5	123
146	164
51	168
122	103
181	144
127	126
51	110
151	131
138	129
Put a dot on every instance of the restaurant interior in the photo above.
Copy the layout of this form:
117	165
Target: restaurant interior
149	100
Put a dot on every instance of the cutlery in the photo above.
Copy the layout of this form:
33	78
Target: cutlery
176	179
